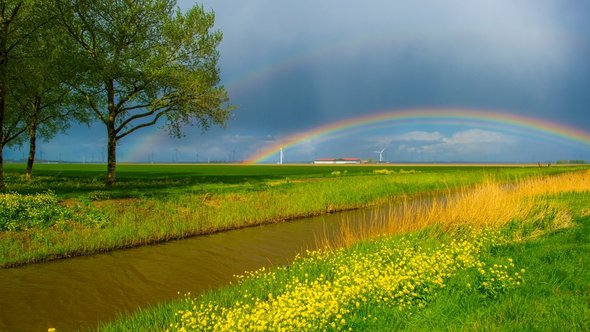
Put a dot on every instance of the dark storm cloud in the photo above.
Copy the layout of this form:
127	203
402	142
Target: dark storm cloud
518	56
285	104
290	66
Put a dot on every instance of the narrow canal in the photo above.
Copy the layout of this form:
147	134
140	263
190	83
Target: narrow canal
80	292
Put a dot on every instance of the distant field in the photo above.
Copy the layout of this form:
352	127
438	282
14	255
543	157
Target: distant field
71	180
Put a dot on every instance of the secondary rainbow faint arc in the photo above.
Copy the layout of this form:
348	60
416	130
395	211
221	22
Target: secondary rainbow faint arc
540	125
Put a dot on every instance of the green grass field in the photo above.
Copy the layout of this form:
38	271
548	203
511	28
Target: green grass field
494	257
155	203
526	273
138	180
553	296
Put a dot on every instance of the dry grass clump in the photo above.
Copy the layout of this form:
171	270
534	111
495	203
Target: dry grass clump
488	205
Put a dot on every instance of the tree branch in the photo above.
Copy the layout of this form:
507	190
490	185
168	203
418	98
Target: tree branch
135	107
134	117
28	35
15	11
90	102
95	109
92	47
143	125
136	89
79	37
8	136
17	134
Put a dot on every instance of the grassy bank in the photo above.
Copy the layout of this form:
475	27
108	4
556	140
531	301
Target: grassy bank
517	264
155	203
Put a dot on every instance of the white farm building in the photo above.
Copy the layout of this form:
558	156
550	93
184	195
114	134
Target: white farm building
333	161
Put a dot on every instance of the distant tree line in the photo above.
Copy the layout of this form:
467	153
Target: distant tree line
575	161
127	64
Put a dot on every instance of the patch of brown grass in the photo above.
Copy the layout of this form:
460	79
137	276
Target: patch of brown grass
488	205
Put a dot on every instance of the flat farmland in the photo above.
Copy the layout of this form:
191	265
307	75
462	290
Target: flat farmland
71	212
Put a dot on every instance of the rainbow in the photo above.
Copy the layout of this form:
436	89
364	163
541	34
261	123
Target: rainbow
253	77
436	115
140	147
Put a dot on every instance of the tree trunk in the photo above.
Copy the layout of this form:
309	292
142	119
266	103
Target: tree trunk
2	138
112	135
111	157
32	150
3	60
33	139
2	186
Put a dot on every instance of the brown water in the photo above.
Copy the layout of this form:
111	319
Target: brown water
80	292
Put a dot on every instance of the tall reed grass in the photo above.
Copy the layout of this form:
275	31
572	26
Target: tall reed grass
487	205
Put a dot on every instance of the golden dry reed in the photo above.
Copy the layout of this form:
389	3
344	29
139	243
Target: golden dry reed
489	204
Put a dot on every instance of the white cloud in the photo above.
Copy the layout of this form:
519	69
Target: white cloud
422	136
476	136
307	146
466	143
412	136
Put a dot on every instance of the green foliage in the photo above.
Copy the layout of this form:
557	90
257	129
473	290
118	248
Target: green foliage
20	212
384	171
91	217
153	180
43	210
99	195
498	278
144	63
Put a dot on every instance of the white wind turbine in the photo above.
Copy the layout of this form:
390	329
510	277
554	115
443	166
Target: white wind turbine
380	154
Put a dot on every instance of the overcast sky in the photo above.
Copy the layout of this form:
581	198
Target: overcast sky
290	66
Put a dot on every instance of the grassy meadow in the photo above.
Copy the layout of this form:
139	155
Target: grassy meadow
66	210
488	257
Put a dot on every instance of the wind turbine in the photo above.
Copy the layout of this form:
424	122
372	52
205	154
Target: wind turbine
380	154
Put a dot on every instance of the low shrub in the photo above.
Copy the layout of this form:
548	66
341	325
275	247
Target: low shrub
383	171
99	195
42	210
18	212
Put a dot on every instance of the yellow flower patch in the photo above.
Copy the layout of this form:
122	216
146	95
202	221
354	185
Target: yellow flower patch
391	273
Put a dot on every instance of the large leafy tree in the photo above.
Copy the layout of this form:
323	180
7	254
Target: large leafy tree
146	62
39	98
20	23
